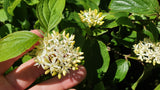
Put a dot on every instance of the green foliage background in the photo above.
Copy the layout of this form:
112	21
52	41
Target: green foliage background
108	49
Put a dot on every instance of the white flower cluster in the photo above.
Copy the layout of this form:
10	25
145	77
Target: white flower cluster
91	17
148	51
56	54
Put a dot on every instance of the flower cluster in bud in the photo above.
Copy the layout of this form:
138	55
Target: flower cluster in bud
148	51
91	17
56	54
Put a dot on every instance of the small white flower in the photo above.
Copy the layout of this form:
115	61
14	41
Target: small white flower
91	17
148	51
57	55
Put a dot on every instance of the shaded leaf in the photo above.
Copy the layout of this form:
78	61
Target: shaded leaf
137	82
79	36
96	60
148	68
99	86
76	18
98	32
88	4
16	43
13	6
110	21
131	37
152	32
5	29
9	70
125	21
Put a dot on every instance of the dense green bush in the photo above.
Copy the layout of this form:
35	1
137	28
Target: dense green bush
111	60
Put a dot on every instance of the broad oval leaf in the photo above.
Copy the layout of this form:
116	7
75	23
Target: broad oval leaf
122	66
16	43
105	57
135	6
49	13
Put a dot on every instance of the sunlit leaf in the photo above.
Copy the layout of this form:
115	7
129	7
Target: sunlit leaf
26	58
49	13
32	2
157	87
122	67
97	2
3	15
135	6
16	43
105	57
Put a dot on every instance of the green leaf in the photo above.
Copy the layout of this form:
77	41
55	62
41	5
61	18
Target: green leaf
88	4
74	16
147	7
110	21
79	35
137	82
5	29
3	16
6	4
152	31
16	43
98	32
26	58
32	2
126	39
25	24
122	66
148	68
96	60
9	70
13	6
124	21
105	57
131	37
157	87
99	86
97	2
49	13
